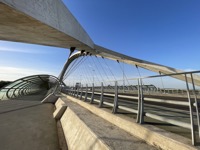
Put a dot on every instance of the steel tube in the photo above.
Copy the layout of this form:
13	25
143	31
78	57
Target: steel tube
196	103
102	94
92	96
81	92
191	113
86	93
115	98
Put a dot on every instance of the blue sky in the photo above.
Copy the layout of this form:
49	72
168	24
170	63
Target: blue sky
162	31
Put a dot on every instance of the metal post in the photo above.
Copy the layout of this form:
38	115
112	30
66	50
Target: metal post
141	103
74	92
81	95
101	98
77	92
92	96
86	93
70	92
191	112
196	104
115	99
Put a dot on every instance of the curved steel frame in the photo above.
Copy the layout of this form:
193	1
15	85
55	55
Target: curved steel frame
78	54
29	85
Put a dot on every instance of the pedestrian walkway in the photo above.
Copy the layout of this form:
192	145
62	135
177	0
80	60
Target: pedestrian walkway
27	125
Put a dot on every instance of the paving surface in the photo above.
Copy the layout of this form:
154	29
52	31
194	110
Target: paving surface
27	125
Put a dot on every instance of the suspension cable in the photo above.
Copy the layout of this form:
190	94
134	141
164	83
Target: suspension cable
103	69
70	67
123	73
98	69
142	82
74	68
109	69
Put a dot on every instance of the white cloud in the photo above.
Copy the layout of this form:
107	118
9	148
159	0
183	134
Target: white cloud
13	73
189	69
18	50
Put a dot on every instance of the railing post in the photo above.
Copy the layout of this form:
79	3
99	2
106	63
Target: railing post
81	95
101	98
116	98
196	104
191	112
70	91
141	103
74	90
86	92
92	96
77	92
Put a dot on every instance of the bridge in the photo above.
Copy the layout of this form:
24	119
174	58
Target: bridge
161	109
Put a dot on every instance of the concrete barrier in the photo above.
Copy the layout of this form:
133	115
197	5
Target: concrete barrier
151	134
59	111
78	135
59	102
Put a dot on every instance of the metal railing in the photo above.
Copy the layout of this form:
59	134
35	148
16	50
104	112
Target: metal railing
142	99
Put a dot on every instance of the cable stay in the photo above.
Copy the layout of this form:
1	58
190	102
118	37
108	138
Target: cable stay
109	69
142	82
85	77
124	75
70	67
95	70
77	65
104	71
98	69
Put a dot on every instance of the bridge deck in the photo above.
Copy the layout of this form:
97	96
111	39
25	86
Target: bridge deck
27	125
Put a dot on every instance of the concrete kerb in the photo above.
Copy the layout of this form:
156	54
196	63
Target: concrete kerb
151	134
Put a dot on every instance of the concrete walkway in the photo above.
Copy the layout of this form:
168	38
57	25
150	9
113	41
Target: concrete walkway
27	125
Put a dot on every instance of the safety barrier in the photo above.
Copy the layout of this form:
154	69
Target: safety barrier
141	98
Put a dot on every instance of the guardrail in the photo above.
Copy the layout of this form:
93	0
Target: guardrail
191	103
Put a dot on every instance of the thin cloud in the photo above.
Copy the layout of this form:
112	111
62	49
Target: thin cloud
13	73
29	51
189	69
